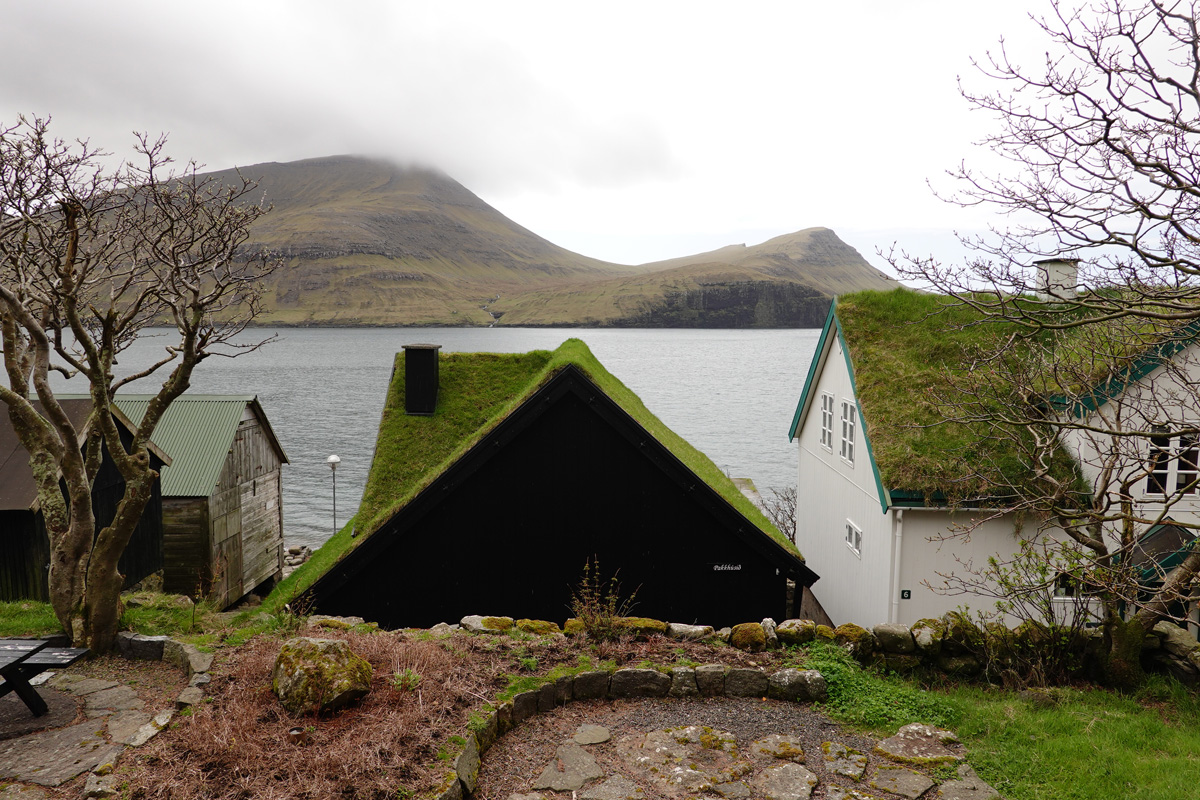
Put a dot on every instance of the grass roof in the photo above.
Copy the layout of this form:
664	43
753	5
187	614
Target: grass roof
476	392
913	354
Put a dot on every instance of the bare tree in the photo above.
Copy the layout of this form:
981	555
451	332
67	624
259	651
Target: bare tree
780	507
1103	140
90	256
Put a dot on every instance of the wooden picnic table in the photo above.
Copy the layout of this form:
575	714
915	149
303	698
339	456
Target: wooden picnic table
22	659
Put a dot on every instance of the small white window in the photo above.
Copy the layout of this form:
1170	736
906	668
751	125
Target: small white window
1174	464
854	537
827	421
849	422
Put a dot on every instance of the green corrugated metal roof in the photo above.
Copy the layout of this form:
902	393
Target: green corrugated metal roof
197	432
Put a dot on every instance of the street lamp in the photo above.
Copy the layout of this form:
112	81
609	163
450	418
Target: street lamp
333	461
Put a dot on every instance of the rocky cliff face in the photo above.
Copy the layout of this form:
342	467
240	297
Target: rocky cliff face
745	304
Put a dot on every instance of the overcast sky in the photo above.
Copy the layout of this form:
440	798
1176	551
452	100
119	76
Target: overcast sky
625	131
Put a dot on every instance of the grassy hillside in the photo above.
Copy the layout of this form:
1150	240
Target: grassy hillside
367	242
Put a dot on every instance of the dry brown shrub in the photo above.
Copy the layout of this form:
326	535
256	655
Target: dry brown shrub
235	745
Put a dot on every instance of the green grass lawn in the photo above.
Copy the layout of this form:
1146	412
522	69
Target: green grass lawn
1092	743
27	618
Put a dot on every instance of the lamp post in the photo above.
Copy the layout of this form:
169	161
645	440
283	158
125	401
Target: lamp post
333	461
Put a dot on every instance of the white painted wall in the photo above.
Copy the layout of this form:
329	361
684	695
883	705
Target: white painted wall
927	555
1165	396
853	587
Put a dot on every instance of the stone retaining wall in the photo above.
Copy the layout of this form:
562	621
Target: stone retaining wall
949	645
186	657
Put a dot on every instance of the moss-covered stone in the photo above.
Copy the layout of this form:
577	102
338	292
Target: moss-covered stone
964	666
333	624
498	624
319	675
796	631
902	663
538	627
928	634
962	636
855	638
641	626
825	633
749	636
574	627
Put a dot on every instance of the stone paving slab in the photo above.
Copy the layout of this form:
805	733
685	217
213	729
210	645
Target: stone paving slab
117	698
571	768
55	757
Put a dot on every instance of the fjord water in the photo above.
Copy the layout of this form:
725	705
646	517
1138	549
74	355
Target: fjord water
731	393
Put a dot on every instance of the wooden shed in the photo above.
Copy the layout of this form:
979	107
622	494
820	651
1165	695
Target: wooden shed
530	465
24	545
222	495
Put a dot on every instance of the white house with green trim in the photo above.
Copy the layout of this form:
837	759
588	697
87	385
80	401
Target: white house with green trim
876	465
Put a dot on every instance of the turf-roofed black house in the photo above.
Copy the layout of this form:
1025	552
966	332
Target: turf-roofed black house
24	546
491	501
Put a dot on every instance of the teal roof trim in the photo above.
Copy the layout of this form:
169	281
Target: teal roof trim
814	368
831	332
1142	366
197	431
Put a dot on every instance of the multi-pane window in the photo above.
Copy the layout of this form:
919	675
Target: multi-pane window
849	423
854	537
827	420
1174	466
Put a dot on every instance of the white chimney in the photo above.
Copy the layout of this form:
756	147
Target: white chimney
1057	278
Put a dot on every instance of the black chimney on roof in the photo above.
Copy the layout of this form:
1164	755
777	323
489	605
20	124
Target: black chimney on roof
421	378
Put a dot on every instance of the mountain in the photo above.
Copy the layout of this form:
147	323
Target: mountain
368	242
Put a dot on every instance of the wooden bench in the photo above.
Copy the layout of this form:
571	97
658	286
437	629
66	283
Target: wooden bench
22	659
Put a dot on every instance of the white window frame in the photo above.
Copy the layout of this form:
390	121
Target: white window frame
854	538
827	404
849	430
1173	465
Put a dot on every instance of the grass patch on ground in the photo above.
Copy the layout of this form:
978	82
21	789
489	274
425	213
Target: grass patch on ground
157	614
1095	743
870	701
1090	743
27	618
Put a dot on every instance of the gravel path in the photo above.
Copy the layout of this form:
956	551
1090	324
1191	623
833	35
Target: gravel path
513	764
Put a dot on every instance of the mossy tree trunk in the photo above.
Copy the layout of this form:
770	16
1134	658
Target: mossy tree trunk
1122	660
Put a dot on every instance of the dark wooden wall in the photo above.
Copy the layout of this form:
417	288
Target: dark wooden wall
24	556
510	534
25	548
186	567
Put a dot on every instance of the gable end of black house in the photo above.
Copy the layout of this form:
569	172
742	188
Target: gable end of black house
568	475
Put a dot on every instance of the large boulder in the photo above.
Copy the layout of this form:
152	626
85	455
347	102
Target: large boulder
319	675
749	636
928	634
859	641
1177	641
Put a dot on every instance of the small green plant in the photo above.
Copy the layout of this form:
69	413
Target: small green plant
528	663
598	604
406	680
869	700
478	720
